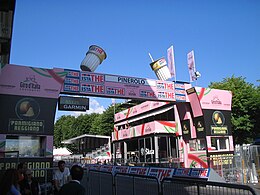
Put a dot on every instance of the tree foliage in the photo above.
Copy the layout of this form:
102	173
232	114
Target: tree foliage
245	108
67	127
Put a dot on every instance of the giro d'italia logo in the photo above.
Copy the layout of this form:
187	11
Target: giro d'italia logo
218	118
27	109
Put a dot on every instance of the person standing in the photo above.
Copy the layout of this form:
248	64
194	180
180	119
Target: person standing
61	176
29	185
74	187
9	183
21	170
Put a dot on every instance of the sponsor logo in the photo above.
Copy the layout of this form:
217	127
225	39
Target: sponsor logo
166	95
216	100
134	111
72	74
94	78
179	86
218	118
71	88
144	93
132	93
27	108
91	88
166	86
180	98
129	80
30	84
71	81
148	129
219	126
115	91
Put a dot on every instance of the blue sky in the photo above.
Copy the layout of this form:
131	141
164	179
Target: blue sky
225	36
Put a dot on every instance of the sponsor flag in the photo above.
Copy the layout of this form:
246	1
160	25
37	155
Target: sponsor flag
171	63
191	66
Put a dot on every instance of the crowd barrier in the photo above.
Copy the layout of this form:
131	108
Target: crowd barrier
125	180
187	186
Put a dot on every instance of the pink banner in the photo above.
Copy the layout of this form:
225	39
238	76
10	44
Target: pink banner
214	98
171	63
191	65
138	109
29	81
146	129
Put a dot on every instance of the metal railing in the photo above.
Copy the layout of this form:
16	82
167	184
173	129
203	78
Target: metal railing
106	183
187	186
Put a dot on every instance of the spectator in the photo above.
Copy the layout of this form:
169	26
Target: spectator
21	170
29	186
61	176
9	183
74	187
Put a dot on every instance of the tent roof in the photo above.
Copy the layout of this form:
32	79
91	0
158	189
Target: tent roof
61	152
69	141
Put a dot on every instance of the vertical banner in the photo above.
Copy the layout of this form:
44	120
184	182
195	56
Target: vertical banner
171	63
198	117
191	66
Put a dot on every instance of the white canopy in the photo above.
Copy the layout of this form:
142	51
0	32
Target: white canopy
61	152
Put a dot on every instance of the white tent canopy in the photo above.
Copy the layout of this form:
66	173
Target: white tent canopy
61	152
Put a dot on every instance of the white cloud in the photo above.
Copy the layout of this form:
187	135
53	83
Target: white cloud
95	107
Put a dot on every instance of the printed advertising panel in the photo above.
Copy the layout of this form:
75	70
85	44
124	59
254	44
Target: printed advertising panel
186	131
27	115
146	129
180	93
217	122
138	170
69	103
138	109
200	127
38	165
160	173
104	85
194	102
221	159
29	81
214	98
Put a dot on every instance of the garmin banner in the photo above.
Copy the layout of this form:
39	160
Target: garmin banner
69	103
27	115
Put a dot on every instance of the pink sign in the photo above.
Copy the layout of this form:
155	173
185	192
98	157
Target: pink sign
29	81
214	98
146	129
138	109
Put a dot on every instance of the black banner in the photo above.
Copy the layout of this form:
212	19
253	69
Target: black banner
69	103
200	127
27	115
217	122
186	130
42	167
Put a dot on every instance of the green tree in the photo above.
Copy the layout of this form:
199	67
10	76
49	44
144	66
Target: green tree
245	107
104	124
83	123
62	129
